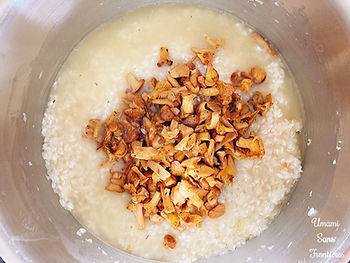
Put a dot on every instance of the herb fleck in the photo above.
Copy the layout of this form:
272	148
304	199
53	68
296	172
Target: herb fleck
297	132
147	237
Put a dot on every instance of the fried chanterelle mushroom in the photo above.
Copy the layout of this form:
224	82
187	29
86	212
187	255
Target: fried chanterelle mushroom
179	142
169	241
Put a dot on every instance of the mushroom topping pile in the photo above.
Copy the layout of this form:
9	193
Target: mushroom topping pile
180	141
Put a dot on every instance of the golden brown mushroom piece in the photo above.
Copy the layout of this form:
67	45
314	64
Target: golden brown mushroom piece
215	43
145	153
252	147
164	57
245	85
191	219
172	218
189	191
135	85
206	55
137	211
114	188
93	129
227	174
187	105
151	206
211	77
169	242
179	71
158	170
258	74
217	211
209	92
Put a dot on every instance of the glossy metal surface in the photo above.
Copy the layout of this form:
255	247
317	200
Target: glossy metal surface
36	37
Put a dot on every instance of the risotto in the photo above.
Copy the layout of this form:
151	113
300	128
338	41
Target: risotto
91	84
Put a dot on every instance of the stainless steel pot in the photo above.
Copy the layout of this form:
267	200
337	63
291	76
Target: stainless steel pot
37	35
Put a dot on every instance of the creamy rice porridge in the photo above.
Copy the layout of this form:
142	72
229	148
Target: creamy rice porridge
91	84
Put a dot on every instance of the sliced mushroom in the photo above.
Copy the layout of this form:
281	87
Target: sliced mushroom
225	92
191	64
258	74
215	43
211	76
158	170
170	132
245	85
145	153
252	147
167	202
214	121
209	92
191	162
166	114
191	219
135	114
173	219
152	82
173	81
221	129
209	155
235	77
228	138
177	169
135	85
189	191
182	145
137	210
164	57
257	98
177	197
191	120
203	171
121	150
211	200
93	129
264	108
170	182
169	242
217	211
194	78
204	136
206	55
179	71
141	195
185	130
187	105
159	89
227	174
150	128
114	188
151	206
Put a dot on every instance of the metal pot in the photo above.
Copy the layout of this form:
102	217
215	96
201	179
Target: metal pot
313	37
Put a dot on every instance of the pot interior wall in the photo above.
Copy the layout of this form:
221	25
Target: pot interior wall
39	35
